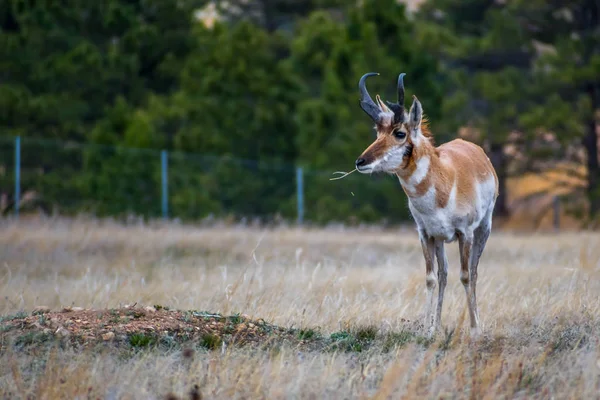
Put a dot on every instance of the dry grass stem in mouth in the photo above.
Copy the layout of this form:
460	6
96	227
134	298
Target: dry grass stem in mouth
345	174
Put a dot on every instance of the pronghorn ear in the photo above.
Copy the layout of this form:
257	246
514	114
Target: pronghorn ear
381	104
415	115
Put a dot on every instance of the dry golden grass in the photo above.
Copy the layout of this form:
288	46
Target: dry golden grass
538	299
559	180
530	197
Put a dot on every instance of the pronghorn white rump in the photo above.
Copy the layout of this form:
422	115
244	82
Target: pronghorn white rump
451	188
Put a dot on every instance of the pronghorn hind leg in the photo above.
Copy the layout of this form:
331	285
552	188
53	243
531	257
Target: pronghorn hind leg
480	237
442	262
465	243
428	246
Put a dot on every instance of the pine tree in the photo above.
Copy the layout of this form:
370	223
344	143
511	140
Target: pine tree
486	57
330	54
567	83
84	71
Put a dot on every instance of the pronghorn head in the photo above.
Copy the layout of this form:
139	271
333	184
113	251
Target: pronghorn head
398	131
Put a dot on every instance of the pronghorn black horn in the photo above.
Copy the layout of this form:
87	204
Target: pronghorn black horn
366	102
401	89
398	107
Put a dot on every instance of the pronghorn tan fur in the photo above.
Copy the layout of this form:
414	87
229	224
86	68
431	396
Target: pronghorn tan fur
452	190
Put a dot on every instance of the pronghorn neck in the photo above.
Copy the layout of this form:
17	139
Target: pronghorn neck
420	163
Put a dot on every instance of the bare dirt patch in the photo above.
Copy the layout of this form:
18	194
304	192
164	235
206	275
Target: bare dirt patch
138	327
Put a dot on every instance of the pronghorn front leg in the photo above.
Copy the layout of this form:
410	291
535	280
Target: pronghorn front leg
428	245
442	263
465	243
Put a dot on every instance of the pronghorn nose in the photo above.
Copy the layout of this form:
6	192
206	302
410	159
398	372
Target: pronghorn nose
360	161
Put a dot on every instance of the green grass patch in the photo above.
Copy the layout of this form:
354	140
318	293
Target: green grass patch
366	333
354	340
141	340
32	338
19	315
308	334
235	319
210	341
400	339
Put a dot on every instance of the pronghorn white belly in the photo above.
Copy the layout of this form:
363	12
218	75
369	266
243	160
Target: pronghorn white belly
436	222
444	223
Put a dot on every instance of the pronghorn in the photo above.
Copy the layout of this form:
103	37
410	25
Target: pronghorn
451	189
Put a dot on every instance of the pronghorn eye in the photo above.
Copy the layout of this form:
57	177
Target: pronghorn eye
399	134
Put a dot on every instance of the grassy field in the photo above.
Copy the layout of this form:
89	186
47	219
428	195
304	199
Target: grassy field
153	312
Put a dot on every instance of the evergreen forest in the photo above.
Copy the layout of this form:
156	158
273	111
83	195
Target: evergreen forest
97	90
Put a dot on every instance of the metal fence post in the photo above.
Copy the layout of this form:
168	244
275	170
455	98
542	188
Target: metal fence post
17	174
165	184
300	194
556	207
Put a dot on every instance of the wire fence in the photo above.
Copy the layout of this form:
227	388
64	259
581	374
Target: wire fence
69	178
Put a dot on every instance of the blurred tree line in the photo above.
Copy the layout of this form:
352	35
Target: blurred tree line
273	84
